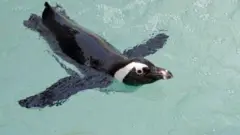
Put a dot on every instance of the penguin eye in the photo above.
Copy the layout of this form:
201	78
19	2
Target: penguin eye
139	71
143	71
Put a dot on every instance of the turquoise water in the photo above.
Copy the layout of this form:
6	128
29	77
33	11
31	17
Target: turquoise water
202	52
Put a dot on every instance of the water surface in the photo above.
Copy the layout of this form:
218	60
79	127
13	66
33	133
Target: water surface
202	52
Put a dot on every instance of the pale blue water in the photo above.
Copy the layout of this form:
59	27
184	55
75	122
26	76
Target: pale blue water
202	51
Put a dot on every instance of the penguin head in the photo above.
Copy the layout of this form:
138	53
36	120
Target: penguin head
139	71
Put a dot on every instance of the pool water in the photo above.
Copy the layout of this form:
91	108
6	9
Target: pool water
202	51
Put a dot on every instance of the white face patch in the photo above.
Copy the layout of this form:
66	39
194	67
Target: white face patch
122	73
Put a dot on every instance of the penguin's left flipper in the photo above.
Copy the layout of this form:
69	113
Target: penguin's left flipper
60	91
151	46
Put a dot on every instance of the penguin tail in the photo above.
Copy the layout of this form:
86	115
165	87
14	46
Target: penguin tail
46	4
48	12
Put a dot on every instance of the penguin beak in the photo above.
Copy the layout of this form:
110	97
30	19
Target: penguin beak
162	73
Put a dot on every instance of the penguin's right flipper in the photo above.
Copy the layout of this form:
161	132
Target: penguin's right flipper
63	89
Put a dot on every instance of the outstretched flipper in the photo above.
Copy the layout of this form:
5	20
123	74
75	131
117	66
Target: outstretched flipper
64	88
151	46
60	91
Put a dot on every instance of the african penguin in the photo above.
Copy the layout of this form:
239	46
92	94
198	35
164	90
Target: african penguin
98	60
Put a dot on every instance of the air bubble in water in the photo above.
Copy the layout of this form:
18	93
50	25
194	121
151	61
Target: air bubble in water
230	91
238	51
207	73
194	59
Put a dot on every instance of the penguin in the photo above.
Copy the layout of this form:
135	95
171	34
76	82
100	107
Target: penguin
96	58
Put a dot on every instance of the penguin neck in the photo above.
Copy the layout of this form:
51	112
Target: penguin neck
118	64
